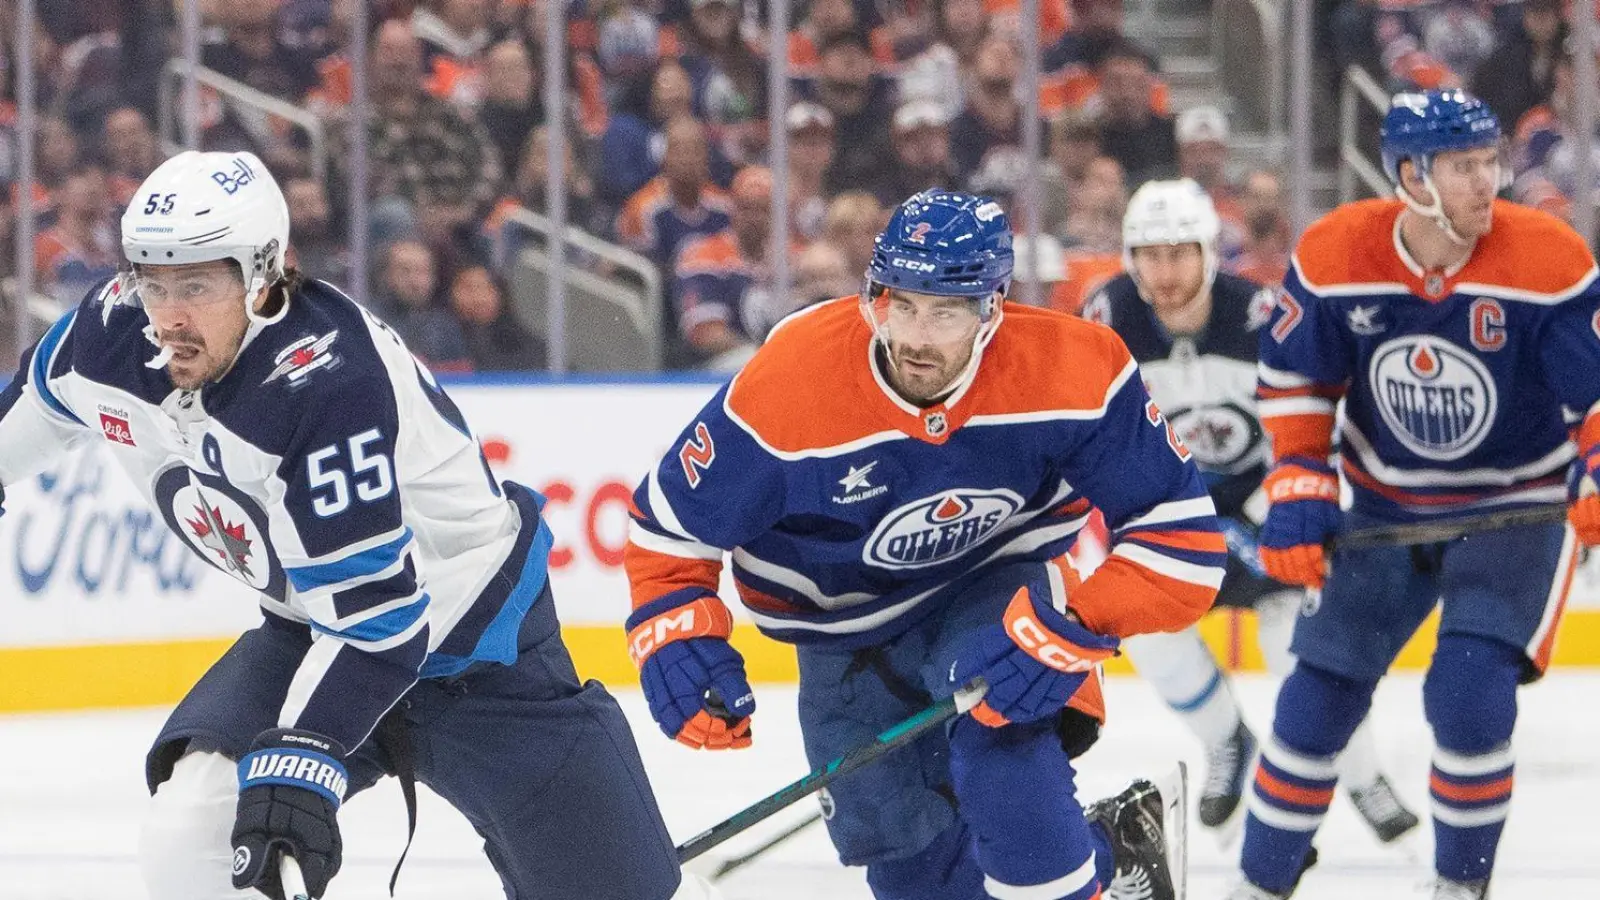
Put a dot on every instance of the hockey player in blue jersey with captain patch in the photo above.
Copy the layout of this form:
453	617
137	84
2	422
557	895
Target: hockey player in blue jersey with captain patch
288	436
1194	332
1462	333
898	478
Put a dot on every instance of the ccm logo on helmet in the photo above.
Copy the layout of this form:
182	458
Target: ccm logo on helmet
913	265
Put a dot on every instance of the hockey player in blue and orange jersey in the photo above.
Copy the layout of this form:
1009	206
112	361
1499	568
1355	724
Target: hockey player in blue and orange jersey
1194	333
899	477
292	442
1461	333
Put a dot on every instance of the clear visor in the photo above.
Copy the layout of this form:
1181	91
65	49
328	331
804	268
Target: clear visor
907	318
186	286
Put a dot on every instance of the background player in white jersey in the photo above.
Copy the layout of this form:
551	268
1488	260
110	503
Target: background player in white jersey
1462	335
1193	332
291	440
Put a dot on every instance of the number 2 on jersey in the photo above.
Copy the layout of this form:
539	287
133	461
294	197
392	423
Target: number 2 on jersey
1153	413
324	472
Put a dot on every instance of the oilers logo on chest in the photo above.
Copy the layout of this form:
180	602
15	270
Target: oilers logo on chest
1437	399
937	529
221	524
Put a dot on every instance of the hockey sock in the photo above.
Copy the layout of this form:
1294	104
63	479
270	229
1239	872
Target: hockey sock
946	869
1470	696
1015	787
1316	713
1182	670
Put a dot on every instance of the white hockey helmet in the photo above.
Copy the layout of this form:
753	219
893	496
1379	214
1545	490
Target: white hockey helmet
199	207
1168	213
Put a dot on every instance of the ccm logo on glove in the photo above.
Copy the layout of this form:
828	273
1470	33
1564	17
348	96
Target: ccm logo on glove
1040	642
705	617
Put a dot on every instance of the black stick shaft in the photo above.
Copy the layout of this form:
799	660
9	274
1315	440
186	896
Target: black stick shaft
887	742
1447	529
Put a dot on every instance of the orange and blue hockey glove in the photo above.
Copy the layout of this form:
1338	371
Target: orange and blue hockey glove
692	677
1584	509
1033	661
1304	514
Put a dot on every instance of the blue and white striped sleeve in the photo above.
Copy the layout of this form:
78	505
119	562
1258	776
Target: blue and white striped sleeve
36	421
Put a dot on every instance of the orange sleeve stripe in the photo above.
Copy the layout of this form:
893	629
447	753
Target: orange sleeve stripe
1498	789
1325	391
653	575
1308	435
1203	541
1090	698
1589	433
1289	793
1123	598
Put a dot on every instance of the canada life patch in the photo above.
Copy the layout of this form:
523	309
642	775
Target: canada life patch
937	529
1437	399
116	428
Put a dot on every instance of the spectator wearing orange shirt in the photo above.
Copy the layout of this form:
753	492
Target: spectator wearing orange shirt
724	279
81	248
454	35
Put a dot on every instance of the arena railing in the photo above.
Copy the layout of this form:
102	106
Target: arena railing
255	106
1357	89
614	295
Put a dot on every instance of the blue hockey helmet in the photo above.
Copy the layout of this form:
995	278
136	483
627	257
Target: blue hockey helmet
1418	126
945	243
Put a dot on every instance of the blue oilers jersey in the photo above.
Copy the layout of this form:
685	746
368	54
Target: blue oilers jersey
326	469
850	514
1460	389
1205	383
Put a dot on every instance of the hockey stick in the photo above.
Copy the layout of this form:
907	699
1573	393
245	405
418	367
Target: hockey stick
294	884
893	739
728	866
1447	529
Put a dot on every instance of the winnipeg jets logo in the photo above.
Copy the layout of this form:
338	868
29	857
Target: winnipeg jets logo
227	540
303	357
1363	320
858	486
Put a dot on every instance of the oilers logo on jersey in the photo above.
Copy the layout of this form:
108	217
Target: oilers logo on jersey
1437	398
940	528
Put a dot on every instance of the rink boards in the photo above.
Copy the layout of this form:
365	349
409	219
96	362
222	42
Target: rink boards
102	606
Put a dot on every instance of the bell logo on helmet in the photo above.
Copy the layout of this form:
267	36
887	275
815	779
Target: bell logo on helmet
231	180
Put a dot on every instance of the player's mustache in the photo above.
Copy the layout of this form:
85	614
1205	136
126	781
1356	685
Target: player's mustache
182	339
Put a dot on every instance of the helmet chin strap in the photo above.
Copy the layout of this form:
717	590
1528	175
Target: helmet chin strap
1434	211
980	341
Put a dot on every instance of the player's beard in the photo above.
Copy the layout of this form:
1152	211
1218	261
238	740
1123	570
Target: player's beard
924	374
191	365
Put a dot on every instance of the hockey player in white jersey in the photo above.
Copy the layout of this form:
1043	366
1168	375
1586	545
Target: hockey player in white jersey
289	437
1193	332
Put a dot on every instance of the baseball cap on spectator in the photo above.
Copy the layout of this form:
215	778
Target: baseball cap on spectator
805	115
629	41
1202	123
914	114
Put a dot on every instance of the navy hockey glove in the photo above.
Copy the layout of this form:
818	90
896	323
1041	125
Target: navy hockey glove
1304	514
1034	661
692	677
290	786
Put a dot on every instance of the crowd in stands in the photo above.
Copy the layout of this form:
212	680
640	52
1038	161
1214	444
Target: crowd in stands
666	125
1515	54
